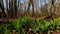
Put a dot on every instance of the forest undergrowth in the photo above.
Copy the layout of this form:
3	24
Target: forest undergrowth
26	26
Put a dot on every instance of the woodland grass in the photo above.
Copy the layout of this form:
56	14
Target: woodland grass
25	25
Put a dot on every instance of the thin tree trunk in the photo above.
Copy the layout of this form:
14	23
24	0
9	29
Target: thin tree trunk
6	5
28	9
15	6
10	8
2	7
32	8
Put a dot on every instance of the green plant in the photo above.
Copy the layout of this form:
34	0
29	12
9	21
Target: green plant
26	21
45	27
41	26
1	28
26	26
54	25
4	29
17	24
37	25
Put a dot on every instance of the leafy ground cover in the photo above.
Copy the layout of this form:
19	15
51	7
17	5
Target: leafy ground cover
26	26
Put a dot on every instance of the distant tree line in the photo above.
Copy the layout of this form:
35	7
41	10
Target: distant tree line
15	8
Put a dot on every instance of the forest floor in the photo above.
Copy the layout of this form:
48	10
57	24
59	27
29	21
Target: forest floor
33	19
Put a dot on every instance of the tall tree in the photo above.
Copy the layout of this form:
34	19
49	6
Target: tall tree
40	4
15	8
36	7
7	6
46	12
10	8
2	7
31	3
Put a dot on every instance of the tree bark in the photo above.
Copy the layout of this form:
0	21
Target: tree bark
2	7
10	8
31	2
15	8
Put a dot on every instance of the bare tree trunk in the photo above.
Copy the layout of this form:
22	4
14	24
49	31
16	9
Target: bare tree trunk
6	1
10	8
36	6
40	6
32	7
31	2
2	7
51	15
28	9
15	8
46	12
